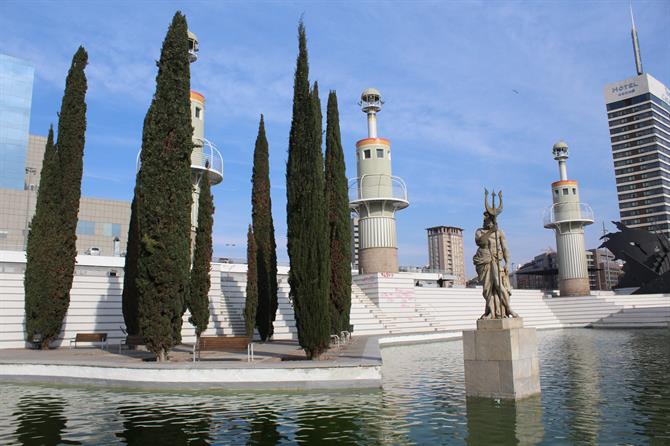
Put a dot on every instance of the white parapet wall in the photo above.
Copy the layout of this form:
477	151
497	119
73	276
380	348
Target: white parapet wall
382	304
95	301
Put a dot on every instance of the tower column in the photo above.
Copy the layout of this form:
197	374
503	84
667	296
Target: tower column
377	195
567	217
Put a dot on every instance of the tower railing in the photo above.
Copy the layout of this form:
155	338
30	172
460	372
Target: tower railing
566	212
377	187
205	155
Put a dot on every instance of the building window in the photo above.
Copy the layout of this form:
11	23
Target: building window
574	191
111	229
380	153
198	112
556	191
85	227
565	191
367	154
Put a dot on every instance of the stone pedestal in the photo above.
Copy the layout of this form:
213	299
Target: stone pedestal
501	359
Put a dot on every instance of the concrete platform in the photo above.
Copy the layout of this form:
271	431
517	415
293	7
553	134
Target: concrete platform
277	365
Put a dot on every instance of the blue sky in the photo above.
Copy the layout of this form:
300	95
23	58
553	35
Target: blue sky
448	72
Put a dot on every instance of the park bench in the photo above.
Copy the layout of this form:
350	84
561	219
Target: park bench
131	341
90	337
223	344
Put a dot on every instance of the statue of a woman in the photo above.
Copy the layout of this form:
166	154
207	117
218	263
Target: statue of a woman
493	275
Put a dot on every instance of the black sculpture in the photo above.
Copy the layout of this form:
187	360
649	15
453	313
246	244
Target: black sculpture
647	258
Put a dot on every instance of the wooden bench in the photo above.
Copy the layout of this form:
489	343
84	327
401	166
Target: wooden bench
131	341
224	344
90	337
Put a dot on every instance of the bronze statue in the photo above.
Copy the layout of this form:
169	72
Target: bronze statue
491	252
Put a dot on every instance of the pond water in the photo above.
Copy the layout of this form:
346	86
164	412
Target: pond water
598	387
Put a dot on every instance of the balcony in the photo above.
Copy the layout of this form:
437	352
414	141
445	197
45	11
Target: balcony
567	212
378	187
206	156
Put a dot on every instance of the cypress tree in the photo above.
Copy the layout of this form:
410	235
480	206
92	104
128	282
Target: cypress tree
264	236
40	276
307	235
251	302
318	116
337	204
66	160
164	208
198	297
129	297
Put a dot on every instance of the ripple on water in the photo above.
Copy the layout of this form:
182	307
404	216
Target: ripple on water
599	387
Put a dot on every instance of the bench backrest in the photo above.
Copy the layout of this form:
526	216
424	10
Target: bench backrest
90	337
134	340
223	342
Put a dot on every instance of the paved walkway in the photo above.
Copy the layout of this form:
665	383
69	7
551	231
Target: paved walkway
363	350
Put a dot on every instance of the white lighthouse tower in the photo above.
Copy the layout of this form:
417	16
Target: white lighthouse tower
376	195
567	217
206	160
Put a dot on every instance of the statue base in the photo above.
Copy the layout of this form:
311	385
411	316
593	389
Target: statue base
501	360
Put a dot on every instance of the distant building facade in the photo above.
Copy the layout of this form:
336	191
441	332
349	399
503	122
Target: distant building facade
102	228
541	273
445	252
638	116
604	270
16	92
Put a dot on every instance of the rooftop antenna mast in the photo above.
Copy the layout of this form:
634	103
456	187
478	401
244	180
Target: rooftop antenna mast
636	43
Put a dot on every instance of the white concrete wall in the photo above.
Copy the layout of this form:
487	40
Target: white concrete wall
382	303
95	302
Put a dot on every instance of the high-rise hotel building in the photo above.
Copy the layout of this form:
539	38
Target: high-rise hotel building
638	113
445	252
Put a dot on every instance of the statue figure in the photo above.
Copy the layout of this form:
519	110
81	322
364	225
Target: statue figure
491	252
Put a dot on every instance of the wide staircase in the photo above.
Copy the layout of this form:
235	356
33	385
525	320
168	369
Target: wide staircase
430	310
636	311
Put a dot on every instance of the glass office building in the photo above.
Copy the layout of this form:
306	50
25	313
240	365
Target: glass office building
638	113
16	91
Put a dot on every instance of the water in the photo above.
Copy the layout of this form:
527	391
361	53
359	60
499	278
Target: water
598	387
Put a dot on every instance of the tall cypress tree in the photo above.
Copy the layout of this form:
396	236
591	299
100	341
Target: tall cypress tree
67	160
306	216
198	297
264	235
164	208
129	296
318	116
337	204
251	302
40	277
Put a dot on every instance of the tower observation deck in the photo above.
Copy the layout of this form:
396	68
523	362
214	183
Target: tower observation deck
375	194
567	216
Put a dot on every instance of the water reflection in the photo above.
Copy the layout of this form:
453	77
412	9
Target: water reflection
40	421
264	429
145	425
504	422
652	398
583	389
598	387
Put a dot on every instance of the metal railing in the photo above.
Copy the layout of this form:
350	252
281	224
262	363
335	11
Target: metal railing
207	156
204	156
379	186
565	212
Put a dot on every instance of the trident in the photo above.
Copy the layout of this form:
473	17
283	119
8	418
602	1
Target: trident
494	211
